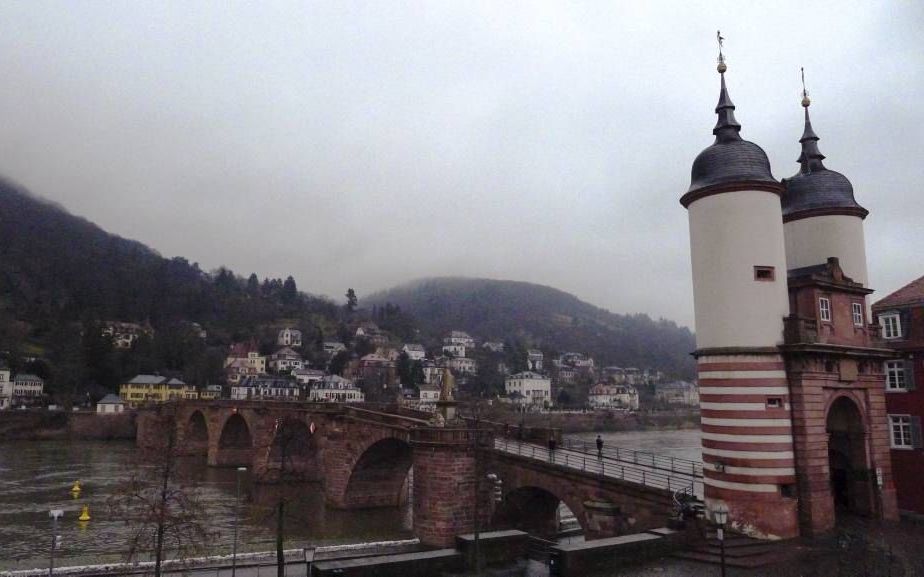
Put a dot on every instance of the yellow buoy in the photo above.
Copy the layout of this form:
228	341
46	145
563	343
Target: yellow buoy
84	514
76	487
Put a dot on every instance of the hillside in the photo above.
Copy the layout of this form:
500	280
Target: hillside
60	275
541	317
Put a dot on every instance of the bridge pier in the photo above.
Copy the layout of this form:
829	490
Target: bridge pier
447	482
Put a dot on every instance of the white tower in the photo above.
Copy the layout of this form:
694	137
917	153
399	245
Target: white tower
821	217
740	298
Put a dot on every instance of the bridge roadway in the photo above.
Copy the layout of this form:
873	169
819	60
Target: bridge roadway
648	469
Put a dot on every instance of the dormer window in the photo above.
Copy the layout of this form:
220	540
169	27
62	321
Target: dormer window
824	305
891	326
857	314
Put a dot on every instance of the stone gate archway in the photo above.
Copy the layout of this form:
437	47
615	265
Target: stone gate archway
851	480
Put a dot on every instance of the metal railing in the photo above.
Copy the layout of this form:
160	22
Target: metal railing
605	467
661	462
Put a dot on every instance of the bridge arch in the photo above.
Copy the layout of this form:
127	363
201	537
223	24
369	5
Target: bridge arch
235	442
293	452
534	509
378	477
196	434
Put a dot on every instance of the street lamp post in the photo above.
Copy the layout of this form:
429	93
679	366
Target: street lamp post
55	514
720	516
237	515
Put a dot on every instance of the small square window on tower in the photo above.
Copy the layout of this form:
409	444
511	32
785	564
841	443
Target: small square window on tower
764	273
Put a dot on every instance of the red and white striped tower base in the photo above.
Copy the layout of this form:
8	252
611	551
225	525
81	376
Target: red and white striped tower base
747	441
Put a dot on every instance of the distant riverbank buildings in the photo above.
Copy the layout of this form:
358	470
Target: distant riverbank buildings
23	390
790	368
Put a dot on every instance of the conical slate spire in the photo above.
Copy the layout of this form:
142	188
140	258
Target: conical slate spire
811	157
729	163
816	190
727	128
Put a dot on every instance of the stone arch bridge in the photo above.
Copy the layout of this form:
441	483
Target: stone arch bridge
362	456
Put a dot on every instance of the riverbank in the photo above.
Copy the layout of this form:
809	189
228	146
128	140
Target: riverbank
44	425
600	421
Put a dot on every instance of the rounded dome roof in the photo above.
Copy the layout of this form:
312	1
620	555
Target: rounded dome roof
815	190
730	161
819	190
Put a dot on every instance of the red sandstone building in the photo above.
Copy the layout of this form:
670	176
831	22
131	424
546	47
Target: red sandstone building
792	390
901	316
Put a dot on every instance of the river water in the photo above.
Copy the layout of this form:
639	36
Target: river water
36	477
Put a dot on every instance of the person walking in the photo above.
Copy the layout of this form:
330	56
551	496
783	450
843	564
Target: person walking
599	447
552	448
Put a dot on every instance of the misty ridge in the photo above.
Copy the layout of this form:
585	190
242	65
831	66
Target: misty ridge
62	275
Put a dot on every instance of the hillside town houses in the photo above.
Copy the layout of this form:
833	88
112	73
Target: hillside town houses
123	334
369	365
529	389
23	390
608	396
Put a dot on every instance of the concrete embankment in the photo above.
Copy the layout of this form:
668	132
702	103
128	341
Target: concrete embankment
41	425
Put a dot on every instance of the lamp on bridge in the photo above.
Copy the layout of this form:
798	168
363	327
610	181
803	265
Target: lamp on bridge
720	517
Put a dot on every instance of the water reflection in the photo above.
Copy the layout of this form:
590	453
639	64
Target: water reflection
37	476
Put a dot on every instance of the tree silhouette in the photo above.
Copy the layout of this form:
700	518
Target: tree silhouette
161	509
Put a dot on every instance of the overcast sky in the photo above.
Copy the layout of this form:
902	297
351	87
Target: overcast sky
364	144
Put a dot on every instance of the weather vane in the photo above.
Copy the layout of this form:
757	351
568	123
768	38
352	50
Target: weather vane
805	97
718	36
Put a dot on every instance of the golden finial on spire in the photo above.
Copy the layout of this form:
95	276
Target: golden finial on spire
721	67
806	101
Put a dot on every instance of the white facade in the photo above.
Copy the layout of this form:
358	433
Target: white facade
265	388
459	338
333	347
454	350
534	388
110	405
286	360
730	234
678	393
429	395
414	351
336	389
27	389
308	376
289	337
604	396
463	365
811	240
6	389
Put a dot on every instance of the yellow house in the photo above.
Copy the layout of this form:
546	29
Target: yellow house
155	389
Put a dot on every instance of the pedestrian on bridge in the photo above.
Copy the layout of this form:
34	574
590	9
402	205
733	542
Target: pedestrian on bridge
599	447
552	448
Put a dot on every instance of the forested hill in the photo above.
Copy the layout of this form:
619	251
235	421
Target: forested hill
60	274
542	317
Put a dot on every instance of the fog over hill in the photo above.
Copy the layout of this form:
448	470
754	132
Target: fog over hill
542	317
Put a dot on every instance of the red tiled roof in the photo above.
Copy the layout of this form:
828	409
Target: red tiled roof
911	293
